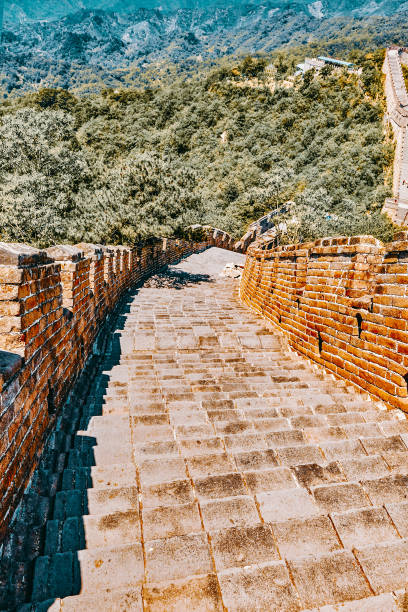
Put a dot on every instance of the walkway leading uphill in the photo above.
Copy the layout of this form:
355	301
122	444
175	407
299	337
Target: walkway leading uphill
213	470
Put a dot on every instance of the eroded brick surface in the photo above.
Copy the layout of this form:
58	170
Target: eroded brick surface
210	469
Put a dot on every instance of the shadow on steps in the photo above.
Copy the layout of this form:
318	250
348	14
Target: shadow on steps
173	278
39	558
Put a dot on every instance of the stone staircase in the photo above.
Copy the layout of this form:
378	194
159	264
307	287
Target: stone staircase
403	178
397	105
397	77
201	466
397	207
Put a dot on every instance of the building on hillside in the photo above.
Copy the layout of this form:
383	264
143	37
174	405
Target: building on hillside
309	64
336	62
270	70
317	63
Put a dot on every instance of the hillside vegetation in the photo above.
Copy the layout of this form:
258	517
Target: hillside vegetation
129	164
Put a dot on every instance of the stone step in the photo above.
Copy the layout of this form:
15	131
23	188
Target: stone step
45	482
99	477
14	586
128	600
80	532
94	501
87	572
235	457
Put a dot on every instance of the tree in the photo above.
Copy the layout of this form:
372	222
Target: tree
40	177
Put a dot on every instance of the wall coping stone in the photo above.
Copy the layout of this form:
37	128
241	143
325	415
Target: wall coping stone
22	255
65	252
91	249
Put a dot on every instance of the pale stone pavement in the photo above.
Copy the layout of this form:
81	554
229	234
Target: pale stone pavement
228	473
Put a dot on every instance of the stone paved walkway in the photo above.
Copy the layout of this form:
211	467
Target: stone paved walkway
227	473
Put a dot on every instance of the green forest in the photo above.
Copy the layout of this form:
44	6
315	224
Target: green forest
125	165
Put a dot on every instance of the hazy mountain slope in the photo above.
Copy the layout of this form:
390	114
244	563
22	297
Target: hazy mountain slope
18	10
88	50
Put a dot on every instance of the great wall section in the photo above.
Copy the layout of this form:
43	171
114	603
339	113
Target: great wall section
397	116
174	440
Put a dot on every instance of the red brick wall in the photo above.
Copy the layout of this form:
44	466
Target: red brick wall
53	304
342	302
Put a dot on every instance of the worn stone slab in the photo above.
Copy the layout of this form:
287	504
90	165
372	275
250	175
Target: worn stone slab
206	465
397	462
316	435
390	444
345	418
201	594
168	521
245	442
204	430
328	579
167	493
223	485
202	446
228	512
152	433
339	450
129	600
116	529
363	468
256	460
312	474
285	438
340	496
258	588
156	471
284	504
154	450
302	537
362	430
385	565
299	455
113	568
394	428
241	546
117	499
379	603
359	528
269	480
399	516
389	489
177	557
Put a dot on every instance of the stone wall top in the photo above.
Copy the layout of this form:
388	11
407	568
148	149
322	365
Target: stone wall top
65	252
22	255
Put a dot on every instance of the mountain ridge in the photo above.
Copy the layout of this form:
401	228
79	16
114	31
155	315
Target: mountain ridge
47	10
93	49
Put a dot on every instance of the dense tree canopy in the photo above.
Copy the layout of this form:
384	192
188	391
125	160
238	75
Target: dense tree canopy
129	164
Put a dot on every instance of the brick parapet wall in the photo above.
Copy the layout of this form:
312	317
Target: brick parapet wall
342	302
53	306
